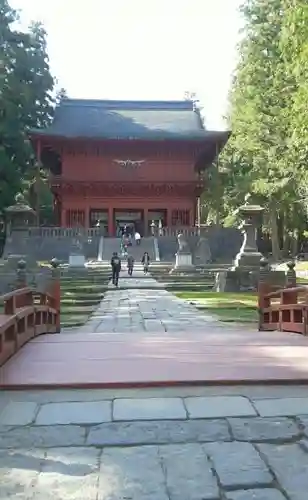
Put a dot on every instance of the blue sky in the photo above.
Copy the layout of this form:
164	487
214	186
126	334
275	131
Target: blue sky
141	49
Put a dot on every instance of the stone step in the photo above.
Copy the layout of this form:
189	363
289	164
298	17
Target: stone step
176	277
78	310
82	296
66	301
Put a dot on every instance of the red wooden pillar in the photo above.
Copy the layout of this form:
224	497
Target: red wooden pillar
169	217
63	218
37	182
192	218
87	217
145	222
110	221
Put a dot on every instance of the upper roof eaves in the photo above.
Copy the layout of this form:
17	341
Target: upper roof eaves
116	104
110	119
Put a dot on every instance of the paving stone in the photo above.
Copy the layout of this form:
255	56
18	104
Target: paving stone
188	473
219	406
74	413
149	409
303	443
304	422
143	309
264	429
262	494
68	473
132	474
18	413
290	466
159	432
282	407
238	465
153	326
19	471
44	437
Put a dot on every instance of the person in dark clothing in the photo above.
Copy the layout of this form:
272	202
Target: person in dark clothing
130	264
146	262
116	268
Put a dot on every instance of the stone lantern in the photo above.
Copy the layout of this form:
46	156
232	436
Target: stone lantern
18	218
249	256
20	215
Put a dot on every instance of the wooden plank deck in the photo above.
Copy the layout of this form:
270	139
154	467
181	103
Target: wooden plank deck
128	360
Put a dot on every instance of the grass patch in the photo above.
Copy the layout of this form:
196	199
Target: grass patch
228	307
301	266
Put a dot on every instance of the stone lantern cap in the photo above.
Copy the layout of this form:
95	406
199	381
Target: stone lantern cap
20	207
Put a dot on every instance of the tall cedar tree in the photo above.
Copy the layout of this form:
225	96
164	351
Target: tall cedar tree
259	118
25	99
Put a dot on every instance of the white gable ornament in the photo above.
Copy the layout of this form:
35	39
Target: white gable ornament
129	163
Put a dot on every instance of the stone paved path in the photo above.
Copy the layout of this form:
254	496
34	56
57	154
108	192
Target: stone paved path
146	307
159	445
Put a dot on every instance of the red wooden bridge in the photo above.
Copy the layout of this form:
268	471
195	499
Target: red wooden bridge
33	352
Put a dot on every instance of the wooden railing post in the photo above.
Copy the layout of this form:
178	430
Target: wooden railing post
291	275
290	298
263	290
55	290
21	274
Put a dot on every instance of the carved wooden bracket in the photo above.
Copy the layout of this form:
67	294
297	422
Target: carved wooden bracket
129	163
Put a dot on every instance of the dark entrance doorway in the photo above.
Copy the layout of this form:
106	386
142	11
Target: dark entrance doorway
131	218
99	218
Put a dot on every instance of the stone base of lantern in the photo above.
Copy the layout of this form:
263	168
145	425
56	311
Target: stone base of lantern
248	260
243	280
183	263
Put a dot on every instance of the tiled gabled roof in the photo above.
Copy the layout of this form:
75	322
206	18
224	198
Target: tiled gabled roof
96	119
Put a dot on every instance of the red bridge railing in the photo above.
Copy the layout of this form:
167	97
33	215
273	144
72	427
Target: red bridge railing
282	309
28	313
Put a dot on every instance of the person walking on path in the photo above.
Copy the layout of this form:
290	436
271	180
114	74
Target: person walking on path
130	265
137	238
116	268
146	262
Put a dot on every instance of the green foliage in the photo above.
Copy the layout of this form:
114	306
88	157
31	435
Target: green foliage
294	43
25	99
267	153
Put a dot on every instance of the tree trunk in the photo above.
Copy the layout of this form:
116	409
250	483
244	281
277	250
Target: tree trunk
274	231
286	245
294	249
204	214
286	240
217	217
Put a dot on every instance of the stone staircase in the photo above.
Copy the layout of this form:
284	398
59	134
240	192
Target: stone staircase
81	293
201	279
111	245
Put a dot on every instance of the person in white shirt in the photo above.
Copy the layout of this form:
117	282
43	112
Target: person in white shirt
137	238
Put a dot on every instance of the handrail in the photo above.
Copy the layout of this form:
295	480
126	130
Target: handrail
290	312
286	291
28	313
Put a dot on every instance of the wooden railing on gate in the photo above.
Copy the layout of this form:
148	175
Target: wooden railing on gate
28	313
282	309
